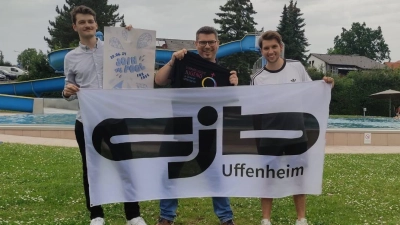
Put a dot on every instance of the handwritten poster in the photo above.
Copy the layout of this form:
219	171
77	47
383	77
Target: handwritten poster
129	58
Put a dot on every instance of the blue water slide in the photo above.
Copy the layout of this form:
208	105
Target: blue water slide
36	87
247	44
9	99
16	103
9	92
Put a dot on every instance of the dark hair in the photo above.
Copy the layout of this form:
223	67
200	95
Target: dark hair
206	30
269	35
82	10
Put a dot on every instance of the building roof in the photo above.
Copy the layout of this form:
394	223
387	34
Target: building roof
393	65
176	44
349	60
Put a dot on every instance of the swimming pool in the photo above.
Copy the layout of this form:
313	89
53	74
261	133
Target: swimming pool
69	119
38	119
364	122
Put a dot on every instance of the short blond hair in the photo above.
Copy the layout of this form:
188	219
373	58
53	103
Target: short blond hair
269	35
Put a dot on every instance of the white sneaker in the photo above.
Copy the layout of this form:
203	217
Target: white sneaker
136	221
265	222
301	222
97	221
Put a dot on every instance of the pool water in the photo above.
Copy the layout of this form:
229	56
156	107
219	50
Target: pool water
38	119
69	119
364	122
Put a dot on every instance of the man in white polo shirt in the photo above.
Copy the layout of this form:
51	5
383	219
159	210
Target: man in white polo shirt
83	68
278	71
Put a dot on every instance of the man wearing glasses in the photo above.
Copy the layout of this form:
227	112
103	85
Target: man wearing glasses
176	73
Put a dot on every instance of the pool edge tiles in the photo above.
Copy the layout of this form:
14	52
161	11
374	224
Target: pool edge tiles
362	137
334	136
45	131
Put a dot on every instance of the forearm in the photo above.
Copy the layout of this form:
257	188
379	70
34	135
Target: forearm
69	79
162	75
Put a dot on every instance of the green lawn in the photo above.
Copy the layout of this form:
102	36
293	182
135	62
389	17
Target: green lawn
42	185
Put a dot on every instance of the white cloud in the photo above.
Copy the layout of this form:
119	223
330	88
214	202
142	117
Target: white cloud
24	22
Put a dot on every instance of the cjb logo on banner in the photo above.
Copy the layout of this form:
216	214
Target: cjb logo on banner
270	134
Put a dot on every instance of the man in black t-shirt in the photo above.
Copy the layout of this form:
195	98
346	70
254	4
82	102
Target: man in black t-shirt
190	70
195	71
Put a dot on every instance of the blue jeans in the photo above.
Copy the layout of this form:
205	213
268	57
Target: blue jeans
221	206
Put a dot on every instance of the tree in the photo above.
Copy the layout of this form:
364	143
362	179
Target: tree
37	65
40	67
61	33
122	23
363	41
291	28
236	20
27	57
1	57
285	29
2	62
331	51
6	63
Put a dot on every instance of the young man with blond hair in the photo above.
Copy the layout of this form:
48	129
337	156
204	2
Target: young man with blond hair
278	71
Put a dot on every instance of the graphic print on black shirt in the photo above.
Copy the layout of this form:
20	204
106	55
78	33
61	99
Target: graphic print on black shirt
194	71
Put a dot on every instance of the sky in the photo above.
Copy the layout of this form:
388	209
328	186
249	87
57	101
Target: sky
24	23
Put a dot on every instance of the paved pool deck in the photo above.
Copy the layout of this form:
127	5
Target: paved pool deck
328	149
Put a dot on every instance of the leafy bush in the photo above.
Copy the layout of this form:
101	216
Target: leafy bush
352	92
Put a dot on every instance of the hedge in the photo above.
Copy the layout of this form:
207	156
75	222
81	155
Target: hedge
351	92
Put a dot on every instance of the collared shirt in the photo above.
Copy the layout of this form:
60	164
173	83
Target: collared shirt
84	68
292	71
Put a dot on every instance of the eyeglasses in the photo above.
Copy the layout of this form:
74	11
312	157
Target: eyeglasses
204	43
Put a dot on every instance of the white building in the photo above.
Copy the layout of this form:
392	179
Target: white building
342	64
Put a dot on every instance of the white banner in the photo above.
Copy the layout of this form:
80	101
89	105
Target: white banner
129	58
243	141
